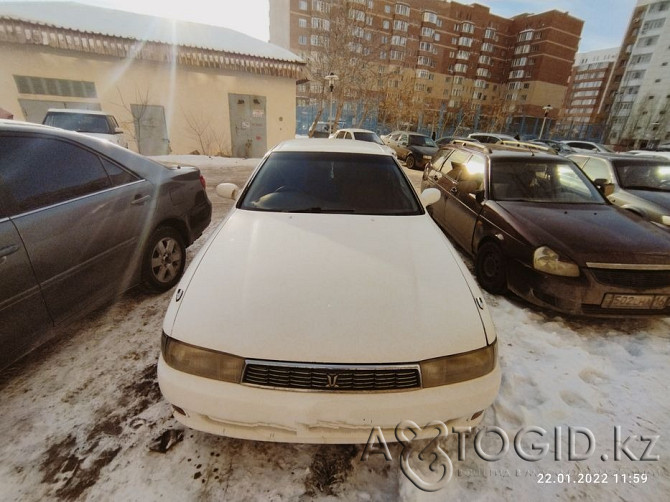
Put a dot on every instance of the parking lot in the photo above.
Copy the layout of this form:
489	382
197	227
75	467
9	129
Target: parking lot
83	417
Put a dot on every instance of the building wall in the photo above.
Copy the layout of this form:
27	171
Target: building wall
637	102
482	81
195	99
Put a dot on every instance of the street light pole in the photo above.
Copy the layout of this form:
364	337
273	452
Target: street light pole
547	109
331	78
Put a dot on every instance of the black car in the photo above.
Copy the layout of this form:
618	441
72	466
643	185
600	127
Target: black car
535	224
413	148
81	221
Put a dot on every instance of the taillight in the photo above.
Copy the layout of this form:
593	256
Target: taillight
203	182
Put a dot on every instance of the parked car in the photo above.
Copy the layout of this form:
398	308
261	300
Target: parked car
639	183
81	221
362	135
90	122
536	225
327	303
560	147
413	148
587	146
650	153
490	137
444	140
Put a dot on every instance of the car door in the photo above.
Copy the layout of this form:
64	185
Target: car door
80	217
461	206
401	146
432	179
23	314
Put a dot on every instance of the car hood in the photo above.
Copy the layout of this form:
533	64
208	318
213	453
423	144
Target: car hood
590	232
661	199
328	288
424	150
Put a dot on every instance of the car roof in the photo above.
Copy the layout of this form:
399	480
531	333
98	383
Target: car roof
355	129
497	150
76	110
326	145
19	125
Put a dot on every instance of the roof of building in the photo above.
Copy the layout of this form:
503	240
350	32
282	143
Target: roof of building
103	21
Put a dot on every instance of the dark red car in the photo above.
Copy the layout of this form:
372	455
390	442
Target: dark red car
535	224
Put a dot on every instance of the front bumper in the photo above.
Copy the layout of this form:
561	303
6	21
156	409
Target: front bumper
266	414
585	295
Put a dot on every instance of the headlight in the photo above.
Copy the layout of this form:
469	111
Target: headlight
460	367
547	260
427	157
665	220
201	362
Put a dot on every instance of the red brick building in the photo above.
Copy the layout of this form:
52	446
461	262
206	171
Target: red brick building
445	65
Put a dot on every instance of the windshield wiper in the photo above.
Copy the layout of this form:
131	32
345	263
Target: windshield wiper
319	210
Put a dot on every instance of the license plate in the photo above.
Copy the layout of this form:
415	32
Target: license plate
617	301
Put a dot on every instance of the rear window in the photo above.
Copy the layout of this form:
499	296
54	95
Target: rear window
317	182
80	122
644	174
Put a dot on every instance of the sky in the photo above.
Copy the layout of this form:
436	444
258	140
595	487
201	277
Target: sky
605	21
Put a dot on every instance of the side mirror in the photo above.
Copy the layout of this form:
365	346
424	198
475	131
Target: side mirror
604	187
479	196
430	196
118	130
227	190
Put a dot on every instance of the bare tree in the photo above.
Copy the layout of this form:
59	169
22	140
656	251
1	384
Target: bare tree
343	45
209	139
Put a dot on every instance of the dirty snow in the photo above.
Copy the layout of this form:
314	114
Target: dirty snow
83	418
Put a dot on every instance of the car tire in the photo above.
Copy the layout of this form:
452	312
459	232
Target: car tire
164	259
410	161
491	268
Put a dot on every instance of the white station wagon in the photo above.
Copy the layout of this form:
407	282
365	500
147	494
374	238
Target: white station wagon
327	303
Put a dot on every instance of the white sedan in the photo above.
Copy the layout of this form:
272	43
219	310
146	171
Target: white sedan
326	304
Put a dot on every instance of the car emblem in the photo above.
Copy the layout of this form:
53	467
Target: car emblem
332	381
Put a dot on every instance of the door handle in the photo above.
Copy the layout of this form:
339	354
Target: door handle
454	190
6	251
140	199
436	177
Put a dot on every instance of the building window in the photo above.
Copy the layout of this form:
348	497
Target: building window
55	87
386	24
430	17
400	25
302	22
402	9
302	5
302	40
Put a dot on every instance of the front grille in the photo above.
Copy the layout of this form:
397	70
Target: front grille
329	378
642	279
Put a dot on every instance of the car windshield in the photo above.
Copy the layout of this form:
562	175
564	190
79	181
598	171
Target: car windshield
79	122
326	182
418	140
542	181
368	136
645	174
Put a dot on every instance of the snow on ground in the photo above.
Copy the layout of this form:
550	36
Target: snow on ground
83	418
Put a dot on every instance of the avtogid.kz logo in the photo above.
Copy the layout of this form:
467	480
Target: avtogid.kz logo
428	466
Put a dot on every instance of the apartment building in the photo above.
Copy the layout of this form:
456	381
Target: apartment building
581	115
637	103
434	65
